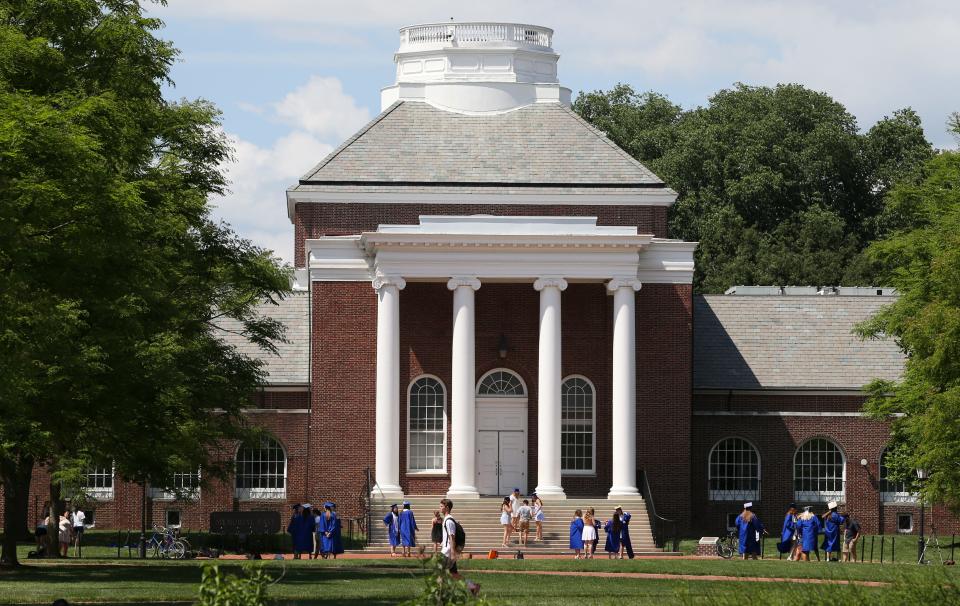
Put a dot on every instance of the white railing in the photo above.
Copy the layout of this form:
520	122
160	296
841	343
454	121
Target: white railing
475	33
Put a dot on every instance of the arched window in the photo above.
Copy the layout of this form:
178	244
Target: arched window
819	472
501	383
426	426
261	470
734	471
98	482
577	444
893	491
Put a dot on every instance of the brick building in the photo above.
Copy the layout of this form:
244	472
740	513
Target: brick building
486	298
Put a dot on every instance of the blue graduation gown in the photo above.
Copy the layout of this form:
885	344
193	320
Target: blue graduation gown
408	524
831	532
786	534
612	544
301	531
576	534
809	529
392	523
748	534
625	534
330	529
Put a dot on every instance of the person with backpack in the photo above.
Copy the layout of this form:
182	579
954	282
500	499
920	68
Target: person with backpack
454	541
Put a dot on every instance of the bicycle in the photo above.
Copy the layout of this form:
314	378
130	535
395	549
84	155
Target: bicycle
166	544
728	545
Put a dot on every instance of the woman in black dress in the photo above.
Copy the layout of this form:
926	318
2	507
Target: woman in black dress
436	532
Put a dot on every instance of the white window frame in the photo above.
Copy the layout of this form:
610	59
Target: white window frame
820	496
100	493
443	469
593	429
162	494
905	530
895	496
733	495
523	385
262	494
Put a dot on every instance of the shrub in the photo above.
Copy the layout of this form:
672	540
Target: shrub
218	588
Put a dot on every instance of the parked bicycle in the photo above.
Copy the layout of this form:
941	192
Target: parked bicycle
166	543
728	545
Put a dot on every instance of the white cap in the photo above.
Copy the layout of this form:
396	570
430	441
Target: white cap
748	505
832	505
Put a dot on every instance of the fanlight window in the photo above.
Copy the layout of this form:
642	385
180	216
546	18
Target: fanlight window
261	470
893	491
427	443
734	471
819	471
576	426
502	383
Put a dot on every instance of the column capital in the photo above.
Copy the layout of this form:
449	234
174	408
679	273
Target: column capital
622	282
382	280
550	282
457	281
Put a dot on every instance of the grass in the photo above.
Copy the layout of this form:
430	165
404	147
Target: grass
390	581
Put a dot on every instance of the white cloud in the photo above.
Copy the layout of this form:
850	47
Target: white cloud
320	115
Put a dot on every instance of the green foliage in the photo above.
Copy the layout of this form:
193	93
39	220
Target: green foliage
777	184
922	261
441	588
218	588
114	278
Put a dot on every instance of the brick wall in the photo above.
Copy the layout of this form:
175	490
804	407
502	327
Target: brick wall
338	219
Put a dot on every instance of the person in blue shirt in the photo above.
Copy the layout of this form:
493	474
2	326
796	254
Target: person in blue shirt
808	526
789	532
408	530
330	528
392	522
612	544
576	534
625	544
832	521
750	528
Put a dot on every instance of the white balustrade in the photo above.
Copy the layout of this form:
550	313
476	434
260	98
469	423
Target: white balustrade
475	33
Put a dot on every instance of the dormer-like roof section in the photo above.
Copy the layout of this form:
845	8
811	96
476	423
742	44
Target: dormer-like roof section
543	145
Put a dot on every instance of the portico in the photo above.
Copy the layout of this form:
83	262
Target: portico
466	252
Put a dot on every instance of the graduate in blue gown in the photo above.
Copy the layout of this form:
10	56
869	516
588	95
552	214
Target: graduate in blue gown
808	525
625	544
831	532
332	543
408	530
789	530
749	527
301	530
392	522
576	534
612	528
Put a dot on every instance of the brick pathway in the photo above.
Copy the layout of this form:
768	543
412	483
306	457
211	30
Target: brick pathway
681	577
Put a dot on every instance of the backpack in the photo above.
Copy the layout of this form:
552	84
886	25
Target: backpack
459	537
518	556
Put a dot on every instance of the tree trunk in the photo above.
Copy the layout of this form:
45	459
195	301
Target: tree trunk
53	527
16	474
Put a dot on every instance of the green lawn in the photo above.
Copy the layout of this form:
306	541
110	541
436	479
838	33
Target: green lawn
390	581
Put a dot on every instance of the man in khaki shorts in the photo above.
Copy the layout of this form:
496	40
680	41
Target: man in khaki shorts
850	537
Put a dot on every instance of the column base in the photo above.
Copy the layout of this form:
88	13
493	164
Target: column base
617	492
386	492
553	493
463	492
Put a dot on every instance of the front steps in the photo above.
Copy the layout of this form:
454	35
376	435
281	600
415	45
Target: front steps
480	519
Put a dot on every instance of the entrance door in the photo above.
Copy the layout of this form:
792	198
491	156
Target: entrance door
502	461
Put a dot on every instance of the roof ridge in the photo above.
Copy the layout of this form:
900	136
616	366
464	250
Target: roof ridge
603	137
351	140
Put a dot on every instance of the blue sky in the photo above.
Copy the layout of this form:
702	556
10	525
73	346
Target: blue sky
296	77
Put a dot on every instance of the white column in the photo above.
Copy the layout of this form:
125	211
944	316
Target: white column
463	431
388	387
624	387
548	389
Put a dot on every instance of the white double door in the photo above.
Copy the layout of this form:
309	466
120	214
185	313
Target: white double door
501	446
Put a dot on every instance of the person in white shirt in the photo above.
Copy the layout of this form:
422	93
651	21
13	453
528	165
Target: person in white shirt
448	547
78	519
526	516
515	509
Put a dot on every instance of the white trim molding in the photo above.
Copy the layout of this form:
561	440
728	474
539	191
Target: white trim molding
667	262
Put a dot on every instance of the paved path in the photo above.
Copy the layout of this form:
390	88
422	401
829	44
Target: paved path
681	577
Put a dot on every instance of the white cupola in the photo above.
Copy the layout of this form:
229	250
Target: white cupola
476	68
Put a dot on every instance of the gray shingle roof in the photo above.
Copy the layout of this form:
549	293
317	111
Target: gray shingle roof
755	342
540	144
291	364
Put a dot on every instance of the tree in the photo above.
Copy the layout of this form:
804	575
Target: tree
922	260
113	275
779	159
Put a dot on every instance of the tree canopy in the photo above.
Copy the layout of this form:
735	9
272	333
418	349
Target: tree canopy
113	274
776	183
922	260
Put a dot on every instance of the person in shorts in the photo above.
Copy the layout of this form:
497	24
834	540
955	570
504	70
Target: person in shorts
850	537
526	516
515	510
78	519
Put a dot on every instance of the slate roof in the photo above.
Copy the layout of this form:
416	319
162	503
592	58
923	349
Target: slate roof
804	342
544	144
292	364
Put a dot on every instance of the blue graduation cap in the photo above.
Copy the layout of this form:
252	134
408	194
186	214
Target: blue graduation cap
329	504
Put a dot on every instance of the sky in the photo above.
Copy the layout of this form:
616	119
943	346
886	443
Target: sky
294	78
